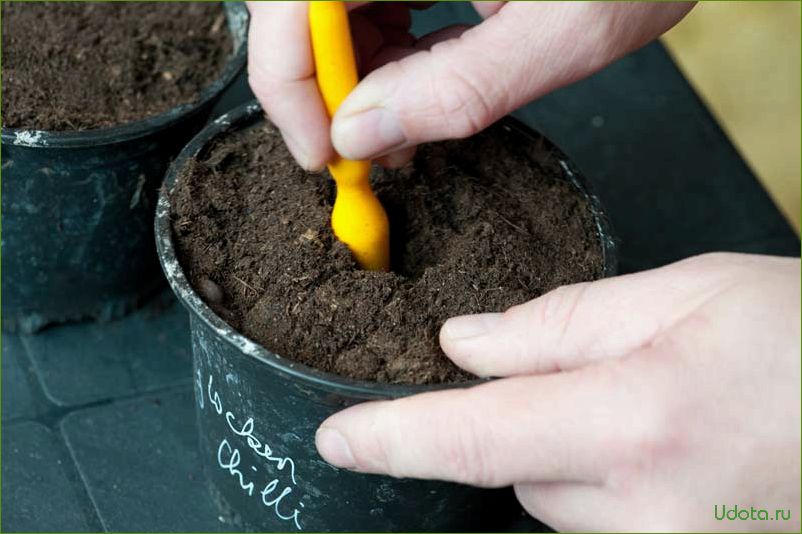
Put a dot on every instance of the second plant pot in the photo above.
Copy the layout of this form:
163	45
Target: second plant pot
78	208
258	412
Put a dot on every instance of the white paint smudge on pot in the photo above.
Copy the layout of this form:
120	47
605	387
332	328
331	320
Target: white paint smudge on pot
30	138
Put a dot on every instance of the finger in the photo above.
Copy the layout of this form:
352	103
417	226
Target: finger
388	53
487	9
573	507
582	507
537	428
281	73
579	324
462	85
426	42
377	117
382	54
396	160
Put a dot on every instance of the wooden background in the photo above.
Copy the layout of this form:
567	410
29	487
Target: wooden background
744	60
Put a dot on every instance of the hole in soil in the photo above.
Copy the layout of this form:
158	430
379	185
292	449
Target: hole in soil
398	233
412	249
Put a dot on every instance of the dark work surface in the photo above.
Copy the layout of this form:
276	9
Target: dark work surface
98	423
41	490
672	183
139	460
19	383
83	363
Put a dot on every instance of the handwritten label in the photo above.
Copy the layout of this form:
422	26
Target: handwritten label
277	494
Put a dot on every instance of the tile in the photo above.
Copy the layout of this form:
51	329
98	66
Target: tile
88	362
41	489
140	462
22	397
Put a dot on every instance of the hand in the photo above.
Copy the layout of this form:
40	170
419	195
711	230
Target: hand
632	403
448	84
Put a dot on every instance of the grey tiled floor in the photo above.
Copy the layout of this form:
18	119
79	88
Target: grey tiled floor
84	363
99	430
41	487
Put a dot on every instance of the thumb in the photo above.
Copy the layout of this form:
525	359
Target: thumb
461	85
578	324
452	90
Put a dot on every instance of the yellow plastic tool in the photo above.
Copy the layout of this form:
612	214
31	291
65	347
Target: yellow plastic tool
358	218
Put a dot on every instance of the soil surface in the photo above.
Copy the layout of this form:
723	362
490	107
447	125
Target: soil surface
477	225
81	65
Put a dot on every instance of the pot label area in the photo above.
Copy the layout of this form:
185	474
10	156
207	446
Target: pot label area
275	484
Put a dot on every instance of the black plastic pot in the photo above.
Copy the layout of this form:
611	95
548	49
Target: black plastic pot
78	208
258	412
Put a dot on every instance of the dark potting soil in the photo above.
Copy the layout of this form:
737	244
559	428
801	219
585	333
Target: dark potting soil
477	225
80	65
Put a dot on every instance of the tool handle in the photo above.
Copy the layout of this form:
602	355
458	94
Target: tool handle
358	218
336	74
333	52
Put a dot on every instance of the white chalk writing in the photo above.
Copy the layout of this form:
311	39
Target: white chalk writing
230	459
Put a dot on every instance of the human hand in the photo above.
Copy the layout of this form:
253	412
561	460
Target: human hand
631	403
448	84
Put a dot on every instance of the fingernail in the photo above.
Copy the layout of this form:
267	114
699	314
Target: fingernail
468	326
367	134
333	447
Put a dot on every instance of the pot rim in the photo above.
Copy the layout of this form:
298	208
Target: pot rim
235	63
247	115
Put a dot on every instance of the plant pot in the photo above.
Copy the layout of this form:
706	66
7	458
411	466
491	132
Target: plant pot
258	412
78	208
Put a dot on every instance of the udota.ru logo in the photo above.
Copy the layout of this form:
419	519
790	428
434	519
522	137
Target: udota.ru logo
734	513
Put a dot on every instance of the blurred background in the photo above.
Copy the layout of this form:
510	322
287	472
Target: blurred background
743	58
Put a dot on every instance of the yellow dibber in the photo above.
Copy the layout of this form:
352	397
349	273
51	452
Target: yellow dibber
358	218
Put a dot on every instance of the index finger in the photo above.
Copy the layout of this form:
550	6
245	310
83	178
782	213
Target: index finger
281	73
550	428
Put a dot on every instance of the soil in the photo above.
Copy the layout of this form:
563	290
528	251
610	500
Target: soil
477	225
82	65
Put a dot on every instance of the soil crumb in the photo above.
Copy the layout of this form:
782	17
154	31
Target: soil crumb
82	65
477	225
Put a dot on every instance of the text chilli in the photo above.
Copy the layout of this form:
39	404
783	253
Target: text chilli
277	494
